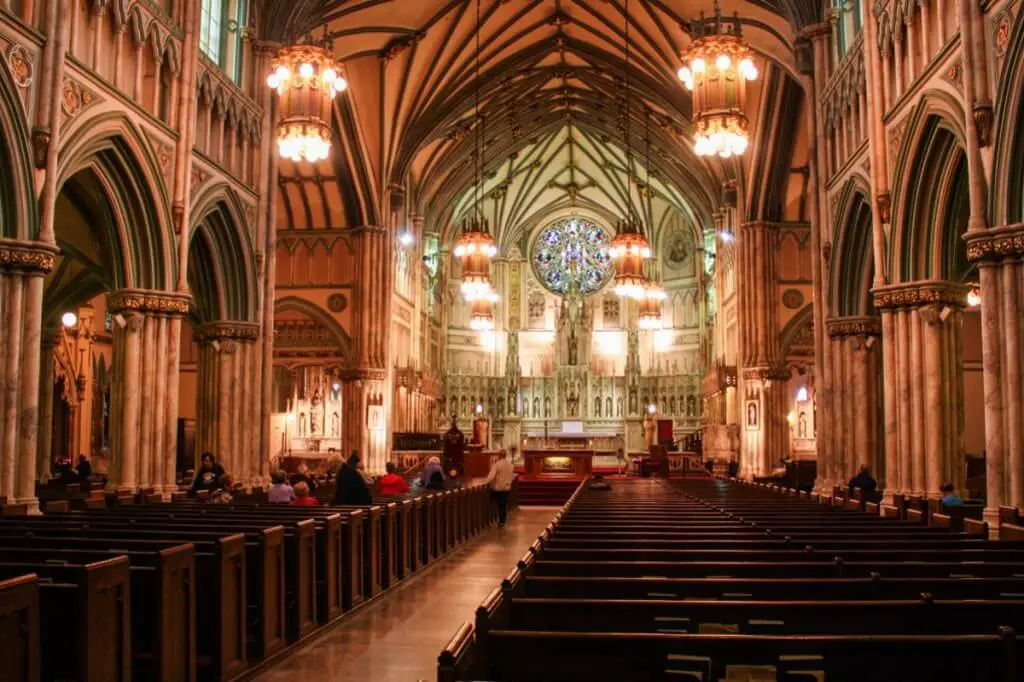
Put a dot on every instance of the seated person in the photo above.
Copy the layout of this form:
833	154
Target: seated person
302	496
950	498
209	474
280	491
302	474
599	483
436	481
864	481
391	483
433	466
222	494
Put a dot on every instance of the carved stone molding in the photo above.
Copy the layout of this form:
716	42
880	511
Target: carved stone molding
983	118
40	146
996	243
219	331
916	294
364	374
854	326
146	301
19	61
75	98
766	374
27	257
883	204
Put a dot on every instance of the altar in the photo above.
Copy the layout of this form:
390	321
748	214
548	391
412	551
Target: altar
558	463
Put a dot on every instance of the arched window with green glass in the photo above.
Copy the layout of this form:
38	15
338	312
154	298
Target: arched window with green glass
849	22
222	25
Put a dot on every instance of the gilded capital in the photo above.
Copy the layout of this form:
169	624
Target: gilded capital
996	243
27	257
918	294
220	331
148	301
854	326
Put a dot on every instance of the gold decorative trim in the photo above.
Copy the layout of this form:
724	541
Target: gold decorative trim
996	243
145	301
916	294
241	331
854	326
364	374
27	257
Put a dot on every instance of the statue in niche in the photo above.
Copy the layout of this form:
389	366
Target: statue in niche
752	415
315	420
536	408
608	406
463	408
672	405
572	403
335	425
511	393
691	406
632	401
802	425
597	406
547	407
501	405
302	424
649	431
618	406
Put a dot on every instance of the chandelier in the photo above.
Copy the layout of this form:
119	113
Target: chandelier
716	67
629	249
306	78
481	312
650	306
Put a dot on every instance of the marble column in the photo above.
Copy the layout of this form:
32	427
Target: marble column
22	268
228	394
144	403
858	362
46	382
927	407
365	422
998	253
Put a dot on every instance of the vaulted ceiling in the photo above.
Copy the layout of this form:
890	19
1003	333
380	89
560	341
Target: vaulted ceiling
432	83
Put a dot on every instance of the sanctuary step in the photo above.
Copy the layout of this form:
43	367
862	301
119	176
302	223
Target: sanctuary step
545	493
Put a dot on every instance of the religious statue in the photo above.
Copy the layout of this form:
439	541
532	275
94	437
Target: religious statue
335	425
572	402
302	424
454	444
649	431
314	414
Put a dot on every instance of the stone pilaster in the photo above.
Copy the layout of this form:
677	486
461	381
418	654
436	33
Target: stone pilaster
365	419
144	395
924	393
856	419
999	253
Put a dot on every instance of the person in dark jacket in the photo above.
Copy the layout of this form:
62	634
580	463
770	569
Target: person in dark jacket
351	487
864	481
436	481
84	470
209	474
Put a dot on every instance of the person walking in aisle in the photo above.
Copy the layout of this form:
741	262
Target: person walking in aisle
500	479
352	488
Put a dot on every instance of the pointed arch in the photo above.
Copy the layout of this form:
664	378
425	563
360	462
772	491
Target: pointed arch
930	197
109	152
1006	200
793	331
324	318
19	217
222	270
852	256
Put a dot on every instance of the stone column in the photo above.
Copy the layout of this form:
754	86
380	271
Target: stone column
227	394
46	382
929	400
859	364
998	252
144	415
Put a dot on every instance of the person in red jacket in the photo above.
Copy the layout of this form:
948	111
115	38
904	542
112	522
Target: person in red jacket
302	496
391	483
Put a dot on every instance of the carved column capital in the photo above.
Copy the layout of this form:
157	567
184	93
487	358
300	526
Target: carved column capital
883	204
227	330
983	117
854	326
918	294
149	301
996	243
27	257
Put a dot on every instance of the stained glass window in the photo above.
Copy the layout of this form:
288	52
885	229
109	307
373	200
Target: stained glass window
572	251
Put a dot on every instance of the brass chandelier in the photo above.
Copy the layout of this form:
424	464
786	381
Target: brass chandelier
716	68
306	78
650	306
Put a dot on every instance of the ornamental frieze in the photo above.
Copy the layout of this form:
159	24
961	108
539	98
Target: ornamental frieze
996	243
74	99
364	374
27	257
19	61
219	331
141	300
854	326
917	294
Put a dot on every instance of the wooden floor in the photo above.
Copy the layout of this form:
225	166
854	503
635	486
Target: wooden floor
397	638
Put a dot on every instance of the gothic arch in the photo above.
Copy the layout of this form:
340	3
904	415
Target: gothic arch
110	155
930	197
1006	200
852	255
18	210
221	262
796	330
315	312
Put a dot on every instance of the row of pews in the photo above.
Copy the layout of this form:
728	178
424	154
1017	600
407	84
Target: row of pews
188	590
718	580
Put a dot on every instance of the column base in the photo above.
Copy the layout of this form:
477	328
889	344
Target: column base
32	503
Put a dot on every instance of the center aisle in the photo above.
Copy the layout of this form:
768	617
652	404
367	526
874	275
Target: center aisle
397	638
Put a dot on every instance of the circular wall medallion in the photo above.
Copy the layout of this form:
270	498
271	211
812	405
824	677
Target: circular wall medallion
792	298
572	252
337	303
679	250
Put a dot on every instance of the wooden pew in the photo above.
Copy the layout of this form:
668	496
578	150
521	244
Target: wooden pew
19	625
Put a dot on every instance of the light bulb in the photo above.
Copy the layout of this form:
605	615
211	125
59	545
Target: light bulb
306	70
273	82
748	69
685	74
723	62
645	252
69	319
329	75
406	238
282	73
698	65
340	84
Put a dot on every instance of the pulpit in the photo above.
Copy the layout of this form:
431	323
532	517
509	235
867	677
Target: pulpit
575	464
